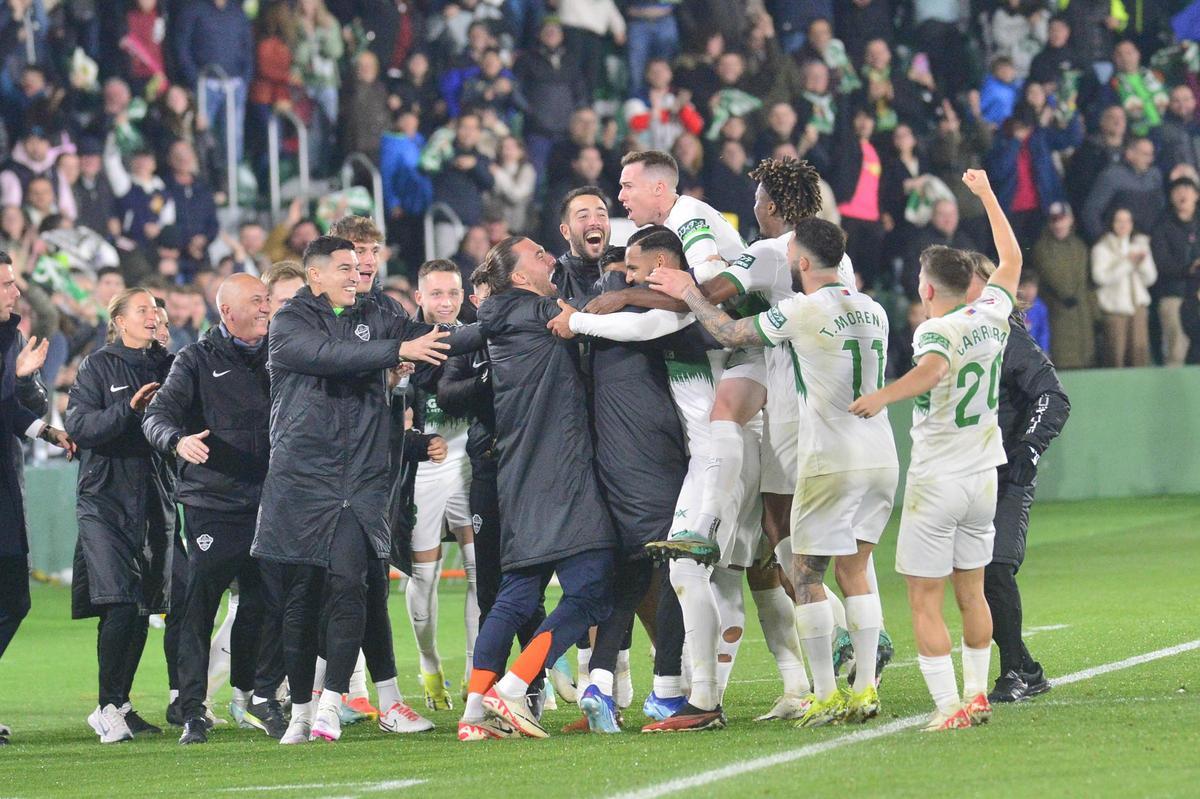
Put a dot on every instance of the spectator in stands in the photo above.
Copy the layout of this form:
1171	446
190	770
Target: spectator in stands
1137	89
731	99
1057	57
172	118
904	177
195	206
653	34
32	157
657	115
857	169
822	47
782	128
1175	244
120	122
1060	259
461	27
289	238
1092	29
182	316
1190	319
407	192
1000	91
688	152
771	75
417	91
940	37
274	79
860	21
493	87
144	204
515	180
586	24
143	43
1102	149
1018	31
365	115
247	250
217	33
729	187
1026	178
318	47
472	250
1123	270
1134	183
817	111
66	170
40	200
16	235
460	177
1177	139
553	84
889	92
583	130
1036	316
943	228
95	202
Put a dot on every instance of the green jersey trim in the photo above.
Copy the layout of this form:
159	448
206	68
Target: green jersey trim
1011	298
737	284
697	238
761	334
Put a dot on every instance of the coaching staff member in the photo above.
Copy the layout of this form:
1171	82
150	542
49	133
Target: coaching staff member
551	514
324	504
21	400
213	413
1033	409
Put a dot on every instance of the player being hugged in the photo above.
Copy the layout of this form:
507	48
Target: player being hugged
946	529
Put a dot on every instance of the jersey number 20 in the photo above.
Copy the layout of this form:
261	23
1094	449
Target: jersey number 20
969	377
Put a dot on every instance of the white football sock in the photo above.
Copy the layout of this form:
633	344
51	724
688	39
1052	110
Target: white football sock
421	597
583	662
241	698
938	672
720	479
839	610
777	617
473	708
219	649
814	622
358	678
471	609
623	688
388	693
603	679
172	695
731	607
976	663
330	699
318	676
864	617
512	685
667	687
701	624
303	711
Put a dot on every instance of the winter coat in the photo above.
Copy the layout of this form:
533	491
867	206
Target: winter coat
553	86
1176	141
550	506
404	185
206	35
462	189
216	385
330	424
15	418
1122	286
1142	193
1043	142
1062	266
1176	246
512	194
125	499
365	119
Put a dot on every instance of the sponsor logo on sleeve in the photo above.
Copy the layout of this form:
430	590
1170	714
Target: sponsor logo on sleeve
777	319
931	339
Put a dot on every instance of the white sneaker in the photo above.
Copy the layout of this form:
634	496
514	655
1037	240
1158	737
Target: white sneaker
623	688
109	724
401	718
328	725
788	706
298	732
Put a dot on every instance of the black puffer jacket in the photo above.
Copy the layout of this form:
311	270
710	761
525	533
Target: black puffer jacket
550	506
218	386
19	409
330	424
125	495
1033	403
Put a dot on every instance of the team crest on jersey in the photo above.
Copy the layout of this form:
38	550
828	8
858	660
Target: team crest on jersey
363	332
776	318
476	523
204	542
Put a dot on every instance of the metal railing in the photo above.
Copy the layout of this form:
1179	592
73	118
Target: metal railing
273	156
347	173
431	220
231	166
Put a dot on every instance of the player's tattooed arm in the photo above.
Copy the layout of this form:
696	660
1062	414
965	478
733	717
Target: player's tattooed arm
730	332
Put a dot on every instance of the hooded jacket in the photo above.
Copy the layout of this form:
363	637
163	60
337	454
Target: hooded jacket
550	506
330	424
125	493
218	386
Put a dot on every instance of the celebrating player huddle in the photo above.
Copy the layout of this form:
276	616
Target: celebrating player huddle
652	426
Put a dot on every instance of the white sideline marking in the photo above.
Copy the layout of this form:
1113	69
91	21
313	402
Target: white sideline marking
363	787
768	761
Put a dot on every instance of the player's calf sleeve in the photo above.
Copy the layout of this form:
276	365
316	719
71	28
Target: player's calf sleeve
701	623
731	608
938	672
814	623
864	617
471	609
358	677
777	617
976	663
422	600
720	473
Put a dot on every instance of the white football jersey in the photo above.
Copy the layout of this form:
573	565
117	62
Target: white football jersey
454	430
955	429
839	338
704	233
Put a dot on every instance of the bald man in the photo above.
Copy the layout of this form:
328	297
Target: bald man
213	414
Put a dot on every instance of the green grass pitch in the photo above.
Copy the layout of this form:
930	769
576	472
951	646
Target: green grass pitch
1105	581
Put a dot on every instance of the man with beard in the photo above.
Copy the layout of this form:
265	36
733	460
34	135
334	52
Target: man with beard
545	450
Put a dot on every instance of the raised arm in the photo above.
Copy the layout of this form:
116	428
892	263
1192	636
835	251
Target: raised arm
1008	272
629	325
